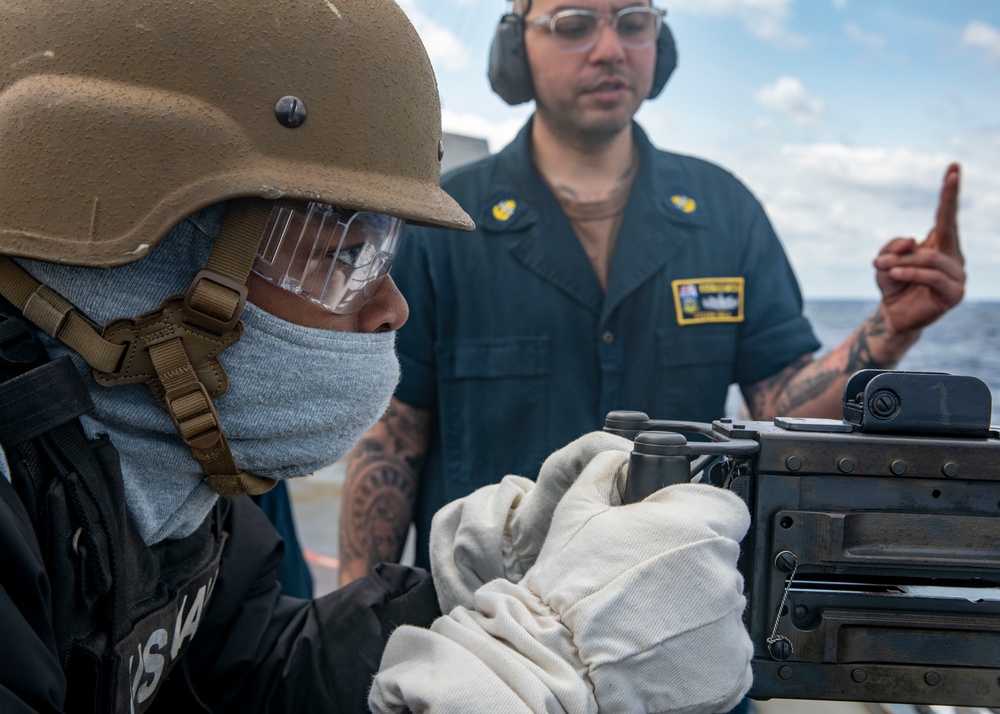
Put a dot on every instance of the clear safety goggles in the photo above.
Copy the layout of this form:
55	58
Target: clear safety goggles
577	29
333	257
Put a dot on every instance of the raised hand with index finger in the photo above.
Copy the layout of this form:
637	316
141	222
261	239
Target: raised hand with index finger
922	281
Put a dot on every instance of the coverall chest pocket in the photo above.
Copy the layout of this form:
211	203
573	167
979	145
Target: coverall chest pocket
696	364
493	409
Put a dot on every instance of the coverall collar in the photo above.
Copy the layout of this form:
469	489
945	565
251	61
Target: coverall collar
549	247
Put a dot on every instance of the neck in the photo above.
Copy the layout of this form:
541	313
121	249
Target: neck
585	170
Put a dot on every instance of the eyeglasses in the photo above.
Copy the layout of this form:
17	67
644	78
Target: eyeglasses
333	257
577	29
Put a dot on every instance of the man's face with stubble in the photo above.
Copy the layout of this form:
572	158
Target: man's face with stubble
591	94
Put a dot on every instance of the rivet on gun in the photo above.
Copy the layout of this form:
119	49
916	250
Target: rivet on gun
785	672
898	467
785	561
845	465
950	469
859	675
932	678
794	463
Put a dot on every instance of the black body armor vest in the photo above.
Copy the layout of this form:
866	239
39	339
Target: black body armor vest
121	612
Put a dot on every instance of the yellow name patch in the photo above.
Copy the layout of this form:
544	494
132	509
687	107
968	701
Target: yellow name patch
708	300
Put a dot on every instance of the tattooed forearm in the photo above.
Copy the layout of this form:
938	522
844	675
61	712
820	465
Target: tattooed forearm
815	388
760	396
807	385
859	355
380	490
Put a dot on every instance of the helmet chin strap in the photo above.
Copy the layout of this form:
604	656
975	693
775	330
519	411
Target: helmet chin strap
173	350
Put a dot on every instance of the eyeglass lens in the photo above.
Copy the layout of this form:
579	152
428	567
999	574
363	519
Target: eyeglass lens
577	29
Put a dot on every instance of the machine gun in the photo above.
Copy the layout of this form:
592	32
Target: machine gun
872	564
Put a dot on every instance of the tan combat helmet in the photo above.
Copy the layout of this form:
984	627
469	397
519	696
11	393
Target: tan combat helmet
120	118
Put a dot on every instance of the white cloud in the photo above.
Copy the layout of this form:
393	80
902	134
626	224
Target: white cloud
869	40
840	4
766	126
764	19
956	141
447	51
869	167
788	97
834	206
778	8
497	134
982	36
872	42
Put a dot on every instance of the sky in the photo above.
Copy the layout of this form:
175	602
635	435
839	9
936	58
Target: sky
840	115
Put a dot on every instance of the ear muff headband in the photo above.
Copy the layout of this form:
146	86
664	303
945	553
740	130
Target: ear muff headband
510	74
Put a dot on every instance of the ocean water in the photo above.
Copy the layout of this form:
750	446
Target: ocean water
965	341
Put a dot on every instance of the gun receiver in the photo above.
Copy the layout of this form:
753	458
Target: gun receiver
872	564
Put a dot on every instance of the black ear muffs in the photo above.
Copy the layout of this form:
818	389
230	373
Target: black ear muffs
510	75
666	60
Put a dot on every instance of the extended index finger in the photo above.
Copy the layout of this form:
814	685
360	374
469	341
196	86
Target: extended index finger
945	234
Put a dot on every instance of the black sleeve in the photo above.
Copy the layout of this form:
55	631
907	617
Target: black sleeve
30	677
263	652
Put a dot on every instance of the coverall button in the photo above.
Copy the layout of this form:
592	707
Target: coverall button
608	337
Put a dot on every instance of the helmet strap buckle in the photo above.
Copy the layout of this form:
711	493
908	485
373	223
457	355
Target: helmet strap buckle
214	302
141	335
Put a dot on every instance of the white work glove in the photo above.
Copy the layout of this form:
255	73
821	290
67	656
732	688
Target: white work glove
627	609
498	530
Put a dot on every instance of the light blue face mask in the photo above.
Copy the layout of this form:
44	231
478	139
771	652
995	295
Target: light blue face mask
299	398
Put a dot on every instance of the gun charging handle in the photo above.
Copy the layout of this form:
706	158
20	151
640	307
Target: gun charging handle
655	462
662	457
